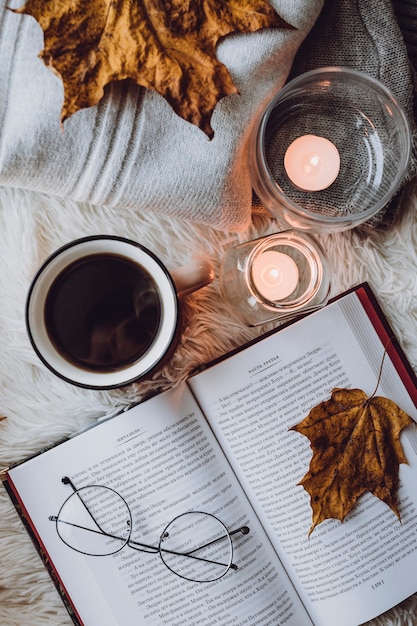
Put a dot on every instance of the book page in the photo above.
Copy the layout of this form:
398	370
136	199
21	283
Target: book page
163	460
353	570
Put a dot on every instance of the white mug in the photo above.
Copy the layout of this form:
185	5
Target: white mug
103	311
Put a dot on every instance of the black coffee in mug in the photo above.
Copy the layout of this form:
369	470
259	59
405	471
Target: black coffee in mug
103	312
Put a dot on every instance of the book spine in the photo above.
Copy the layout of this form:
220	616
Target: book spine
388	339
29	526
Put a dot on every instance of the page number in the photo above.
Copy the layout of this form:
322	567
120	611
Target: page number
378	584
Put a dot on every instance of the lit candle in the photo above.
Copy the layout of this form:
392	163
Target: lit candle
274	274
312	163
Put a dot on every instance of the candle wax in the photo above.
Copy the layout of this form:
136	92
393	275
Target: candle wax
275	275
312	163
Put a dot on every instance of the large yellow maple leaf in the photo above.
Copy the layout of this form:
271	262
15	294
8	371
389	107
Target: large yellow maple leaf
356	448
168	46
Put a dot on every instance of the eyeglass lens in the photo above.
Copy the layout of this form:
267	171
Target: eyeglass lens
197	547
95	520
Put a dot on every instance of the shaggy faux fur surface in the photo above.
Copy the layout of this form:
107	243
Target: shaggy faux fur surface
41	409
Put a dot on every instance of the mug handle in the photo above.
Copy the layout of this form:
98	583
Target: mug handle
192	276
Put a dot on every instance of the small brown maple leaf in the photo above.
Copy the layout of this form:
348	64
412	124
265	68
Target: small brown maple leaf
356	448
166	46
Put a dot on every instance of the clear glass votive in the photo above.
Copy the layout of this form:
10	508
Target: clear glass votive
274	277
330	150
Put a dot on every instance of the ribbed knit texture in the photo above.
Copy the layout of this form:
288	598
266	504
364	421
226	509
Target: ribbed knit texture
365	35
132	151
406	13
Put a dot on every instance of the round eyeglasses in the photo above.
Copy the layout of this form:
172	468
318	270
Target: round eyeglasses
96	520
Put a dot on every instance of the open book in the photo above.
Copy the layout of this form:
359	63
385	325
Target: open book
221	445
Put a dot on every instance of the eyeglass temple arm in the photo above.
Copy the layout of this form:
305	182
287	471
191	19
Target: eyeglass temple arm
244	530
67	481
189	555
54	518
133	544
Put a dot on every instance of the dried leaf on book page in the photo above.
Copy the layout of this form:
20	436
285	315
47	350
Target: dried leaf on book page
356	448
166	46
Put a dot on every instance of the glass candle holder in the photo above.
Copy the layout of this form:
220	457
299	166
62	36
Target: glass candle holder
330	150
274	277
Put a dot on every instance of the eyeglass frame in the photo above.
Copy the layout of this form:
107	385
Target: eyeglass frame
142	547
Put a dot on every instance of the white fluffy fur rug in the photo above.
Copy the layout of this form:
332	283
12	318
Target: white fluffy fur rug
40	408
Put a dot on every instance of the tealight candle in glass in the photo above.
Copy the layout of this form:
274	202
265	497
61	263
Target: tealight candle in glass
312	163
277	276
329	151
